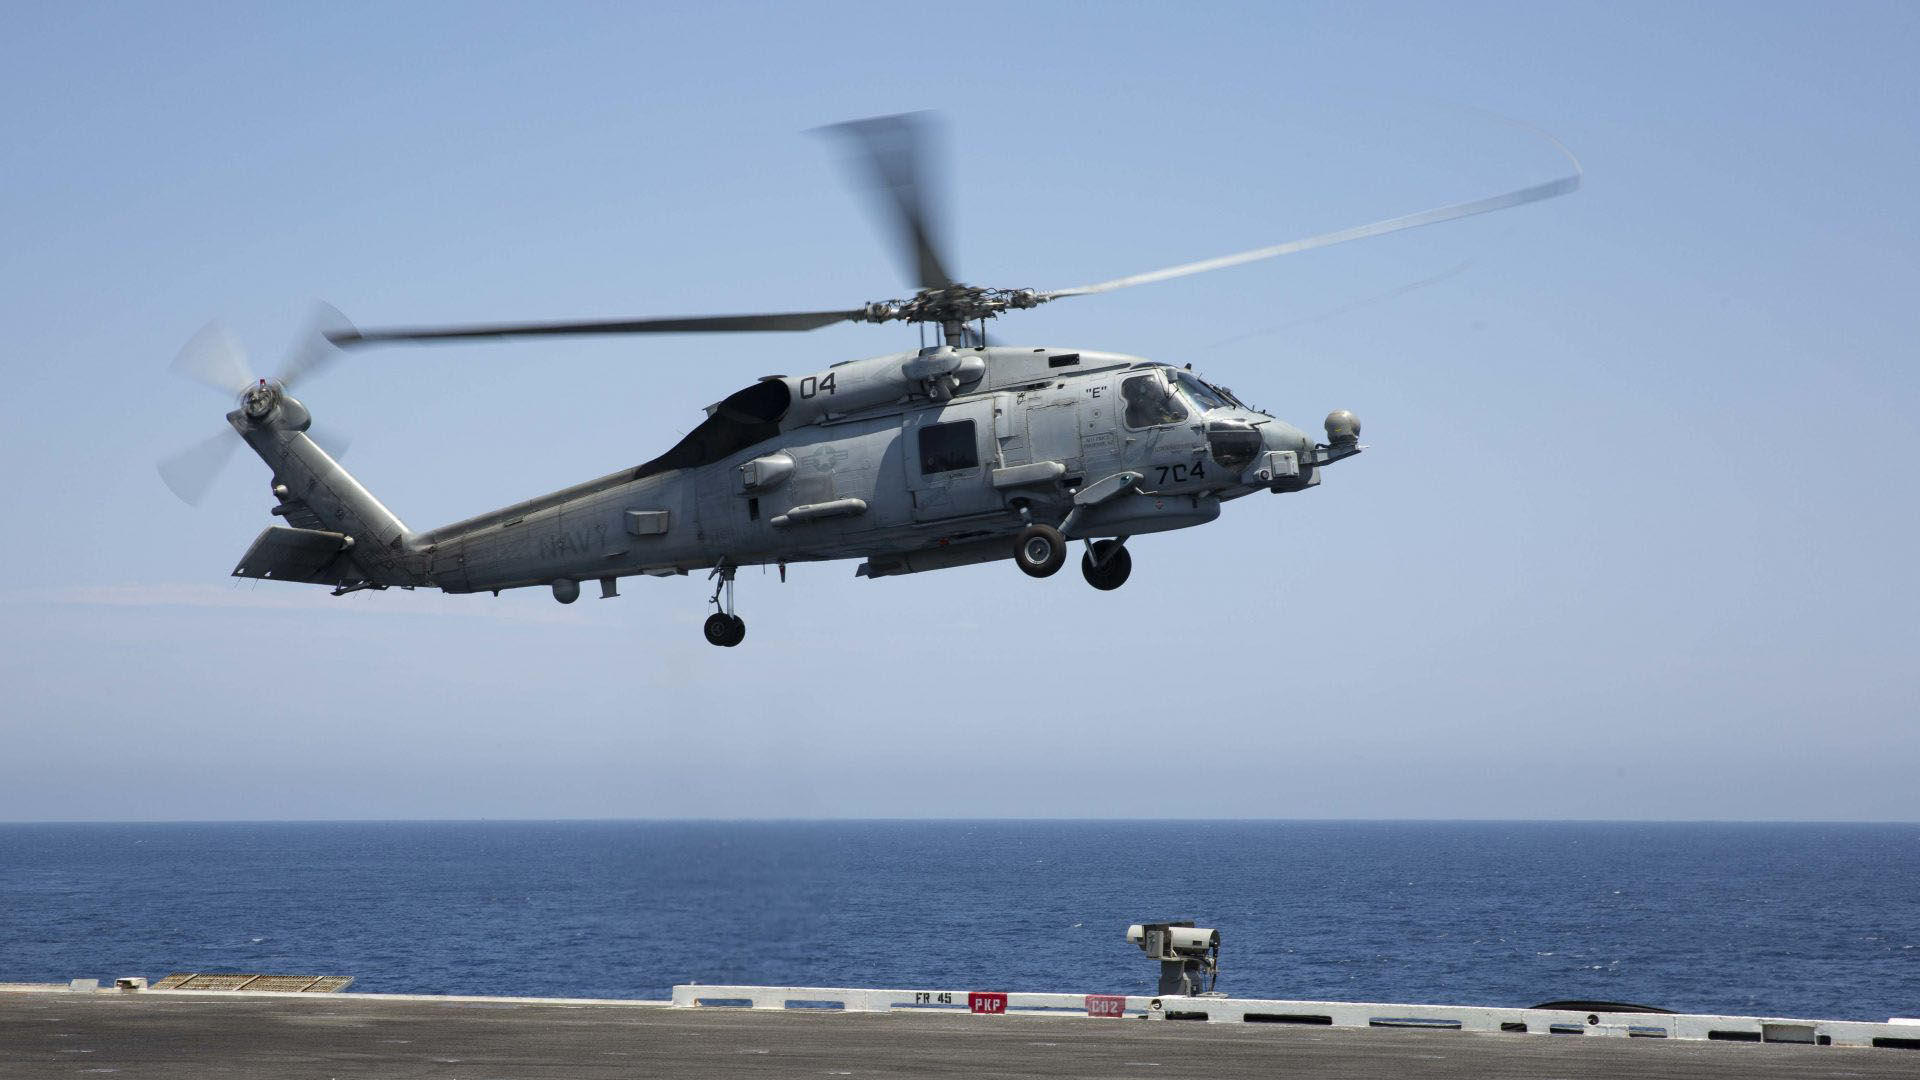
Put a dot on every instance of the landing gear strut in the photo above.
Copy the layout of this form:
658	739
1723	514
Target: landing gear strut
723	627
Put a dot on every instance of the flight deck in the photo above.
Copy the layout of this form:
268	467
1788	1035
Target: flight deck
709	1031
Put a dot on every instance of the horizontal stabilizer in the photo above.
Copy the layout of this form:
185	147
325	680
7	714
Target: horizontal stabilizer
309	555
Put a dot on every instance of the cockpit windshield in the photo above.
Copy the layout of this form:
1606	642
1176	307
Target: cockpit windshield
1232	398
1206	397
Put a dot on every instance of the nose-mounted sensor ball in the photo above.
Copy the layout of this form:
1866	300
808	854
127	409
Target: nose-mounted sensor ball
1343	429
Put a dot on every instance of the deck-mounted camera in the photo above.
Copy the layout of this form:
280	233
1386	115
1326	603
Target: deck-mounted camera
1187	954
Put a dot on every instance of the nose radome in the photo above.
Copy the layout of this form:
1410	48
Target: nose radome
1280	435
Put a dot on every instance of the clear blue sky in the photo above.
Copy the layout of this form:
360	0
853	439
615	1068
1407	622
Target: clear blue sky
1635	537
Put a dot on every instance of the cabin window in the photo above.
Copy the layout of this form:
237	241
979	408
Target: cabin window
1150	403
948	448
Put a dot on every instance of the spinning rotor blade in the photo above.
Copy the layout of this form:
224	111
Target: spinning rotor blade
214	357
191	472
334	443
799	320
893	151
314	349
1519	197
896	152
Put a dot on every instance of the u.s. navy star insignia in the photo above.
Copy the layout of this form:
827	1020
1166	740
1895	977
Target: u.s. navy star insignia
824	459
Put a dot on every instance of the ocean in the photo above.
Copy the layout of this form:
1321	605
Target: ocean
1809	920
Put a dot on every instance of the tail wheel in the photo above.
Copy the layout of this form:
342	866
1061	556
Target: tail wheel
725	630
1040	550
1106	567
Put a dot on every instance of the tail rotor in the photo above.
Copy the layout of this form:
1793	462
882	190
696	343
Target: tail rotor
215	358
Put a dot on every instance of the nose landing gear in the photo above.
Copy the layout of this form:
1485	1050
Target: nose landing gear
723	627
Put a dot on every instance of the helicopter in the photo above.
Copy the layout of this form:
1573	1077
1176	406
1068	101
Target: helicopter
962	451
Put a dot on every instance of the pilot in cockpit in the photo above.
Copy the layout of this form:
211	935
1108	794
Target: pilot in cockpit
1150	403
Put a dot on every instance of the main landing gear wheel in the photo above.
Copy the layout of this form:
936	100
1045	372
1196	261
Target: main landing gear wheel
723	627
1107	565
725	630
1040	550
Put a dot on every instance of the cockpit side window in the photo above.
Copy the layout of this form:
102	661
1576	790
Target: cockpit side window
1200	393
1150	403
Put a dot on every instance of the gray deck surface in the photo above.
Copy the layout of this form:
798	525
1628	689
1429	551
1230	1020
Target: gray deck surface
154	1035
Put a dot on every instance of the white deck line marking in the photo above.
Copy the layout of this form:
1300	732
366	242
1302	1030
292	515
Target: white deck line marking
1337	1014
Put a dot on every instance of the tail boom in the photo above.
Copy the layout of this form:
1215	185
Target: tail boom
342	532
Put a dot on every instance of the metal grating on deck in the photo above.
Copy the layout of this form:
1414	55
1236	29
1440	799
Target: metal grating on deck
296	984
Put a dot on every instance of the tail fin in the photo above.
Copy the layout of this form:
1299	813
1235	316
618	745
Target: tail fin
318	496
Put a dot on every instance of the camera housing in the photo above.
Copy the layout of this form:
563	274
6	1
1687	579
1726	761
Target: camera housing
1187	954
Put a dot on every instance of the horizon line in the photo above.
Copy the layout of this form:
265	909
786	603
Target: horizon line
802	820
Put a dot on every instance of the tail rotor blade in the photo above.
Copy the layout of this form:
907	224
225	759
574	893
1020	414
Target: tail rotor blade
314	349
895	150
334	443
214	357
191	472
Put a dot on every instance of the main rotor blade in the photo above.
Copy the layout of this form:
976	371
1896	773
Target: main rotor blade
1519	197
314	349
214	357
696	324
897	153
1342	309
191	472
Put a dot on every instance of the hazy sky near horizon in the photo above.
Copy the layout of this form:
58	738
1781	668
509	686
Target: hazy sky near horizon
1634	537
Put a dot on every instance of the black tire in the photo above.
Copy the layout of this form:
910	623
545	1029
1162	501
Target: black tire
738	633
1040	550
719	629
1112	571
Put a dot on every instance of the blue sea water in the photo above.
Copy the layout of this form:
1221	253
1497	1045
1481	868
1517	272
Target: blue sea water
1793	920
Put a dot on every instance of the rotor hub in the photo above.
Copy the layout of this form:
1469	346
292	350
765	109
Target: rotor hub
957	303
258	400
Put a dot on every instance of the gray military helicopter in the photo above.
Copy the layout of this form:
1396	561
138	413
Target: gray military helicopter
962	451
